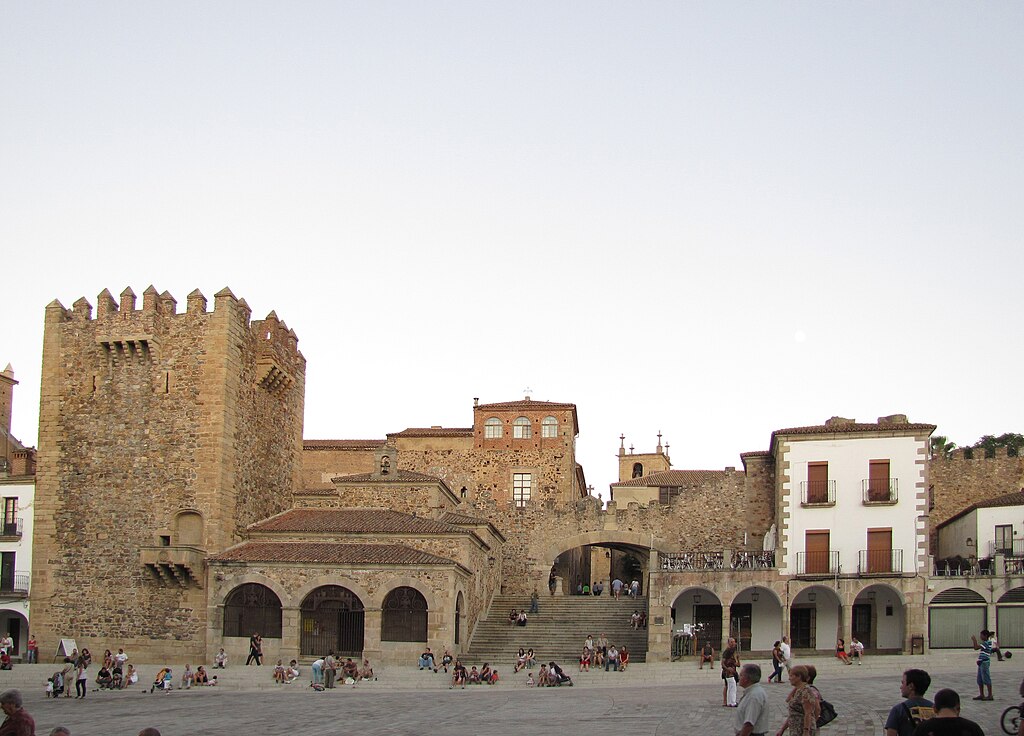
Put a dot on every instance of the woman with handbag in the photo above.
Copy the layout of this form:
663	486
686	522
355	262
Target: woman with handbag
802	704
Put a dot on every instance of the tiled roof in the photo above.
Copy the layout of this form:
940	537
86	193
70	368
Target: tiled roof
434	432
671	478
1009	499
527	404
351	521
755	453
395	476
451	517
854	428
341	444
317	492
331	554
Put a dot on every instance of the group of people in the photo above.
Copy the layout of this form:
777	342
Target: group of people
856	651
603	653
326	671
116	673
483	676
518	617
164	680
7	651
617	588
638	619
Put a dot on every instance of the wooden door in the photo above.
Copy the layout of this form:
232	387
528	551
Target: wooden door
817	482
879	550
817	551
878	480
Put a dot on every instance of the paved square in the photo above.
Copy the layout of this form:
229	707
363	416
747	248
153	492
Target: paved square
593	708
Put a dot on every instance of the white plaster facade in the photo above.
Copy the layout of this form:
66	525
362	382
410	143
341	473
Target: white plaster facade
849	519
979	526
14	585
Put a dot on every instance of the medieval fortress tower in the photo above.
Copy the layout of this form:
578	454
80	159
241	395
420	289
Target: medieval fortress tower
161	435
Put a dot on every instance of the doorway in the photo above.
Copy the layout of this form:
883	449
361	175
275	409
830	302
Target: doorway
862	623
740	615
801	628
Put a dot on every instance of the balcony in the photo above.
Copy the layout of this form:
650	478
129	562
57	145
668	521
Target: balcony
181	564
880	491
817	493
15	585
817	564
10	529
704	561
880	562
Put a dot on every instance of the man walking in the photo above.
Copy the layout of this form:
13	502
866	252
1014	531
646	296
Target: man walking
752	712
787	653
18	721
906	716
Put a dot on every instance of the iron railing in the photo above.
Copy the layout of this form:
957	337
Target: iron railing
880	490
817	563
818	493
879	561
743	560
684	561
16	583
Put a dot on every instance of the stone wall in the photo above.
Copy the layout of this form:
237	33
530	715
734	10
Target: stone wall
322	461
957	482
145	413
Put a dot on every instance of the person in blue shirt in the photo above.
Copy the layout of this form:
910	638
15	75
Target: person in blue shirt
984	648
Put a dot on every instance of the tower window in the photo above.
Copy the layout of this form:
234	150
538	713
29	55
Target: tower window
549	427
492	429
521	429
522	484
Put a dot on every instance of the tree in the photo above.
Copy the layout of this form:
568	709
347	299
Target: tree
1012	441
942	446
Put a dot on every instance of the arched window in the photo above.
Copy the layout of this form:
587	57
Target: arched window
252	608
521	429
549	427
638	470
331	617
404	616
492	428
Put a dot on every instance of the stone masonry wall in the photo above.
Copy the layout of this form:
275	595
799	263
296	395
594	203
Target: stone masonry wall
958	482
145	413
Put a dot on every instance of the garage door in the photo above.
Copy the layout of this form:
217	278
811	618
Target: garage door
1010	618
952	627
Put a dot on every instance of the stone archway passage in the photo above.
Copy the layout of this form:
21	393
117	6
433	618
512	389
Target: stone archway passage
331	618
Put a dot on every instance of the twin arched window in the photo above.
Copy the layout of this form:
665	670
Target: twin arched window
549	427
522	429
492	429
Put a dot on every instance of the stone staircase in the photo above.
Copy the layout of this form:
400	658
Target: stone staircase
557	632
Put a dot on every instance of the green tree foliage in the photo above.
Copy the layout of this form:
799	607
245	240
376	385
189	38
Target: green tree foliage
1012	441
942	446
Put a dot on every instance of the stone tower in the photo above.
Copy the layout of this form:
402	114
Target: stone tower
161	436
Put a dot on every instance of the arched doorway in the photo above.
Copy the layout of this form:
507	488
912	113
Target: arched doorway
814	619
331	617
877	618
755	619
1010	618
252	608
953	616
696	620
404	616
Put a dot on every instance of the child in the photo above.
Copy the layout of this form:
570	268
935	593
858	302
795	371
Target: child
529	680
49	687
984	663
220	660
168	681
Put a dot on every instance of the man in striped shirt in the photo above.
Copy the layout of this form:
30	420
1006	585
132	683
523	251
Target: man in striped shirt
984	648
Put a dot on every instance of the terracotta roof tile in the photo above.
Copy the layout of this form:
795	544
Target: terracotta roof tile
352	521
671	478
451	517
331	554
854	428
434	432
341	444
524	404
396	476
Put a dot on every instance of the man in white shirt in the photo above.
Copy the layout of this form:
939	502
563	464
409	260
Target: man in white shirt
787	653
752	711
120	658
612	659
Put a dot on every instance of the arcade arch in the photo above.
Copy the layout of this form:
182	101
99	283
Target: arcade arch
815	616
331	618
878	618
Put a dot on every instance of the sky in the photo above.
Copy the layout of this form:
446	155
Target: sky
711	219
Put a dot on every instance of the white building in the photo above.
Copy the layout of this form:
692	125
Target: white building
852	510
17	491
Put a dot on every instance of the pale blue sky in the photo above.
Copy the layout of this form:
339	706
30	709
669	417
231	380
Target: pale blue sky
712	219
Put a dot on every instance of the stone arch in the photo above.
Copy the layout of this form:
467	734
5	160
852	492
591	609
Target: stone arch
878	587
957	595
878	616
403	581
188	528
602	537
339	579
331	617
252	607
229	583
459	617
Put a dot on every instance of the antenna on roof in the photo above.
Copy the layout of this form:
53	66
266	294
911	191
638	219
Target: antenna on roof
527	391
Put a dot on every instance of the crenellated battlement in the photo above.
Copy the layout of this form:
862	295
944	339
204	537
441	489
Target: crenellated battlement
967	454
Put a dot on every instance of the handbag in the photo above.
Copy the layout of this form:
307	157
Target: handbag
827	715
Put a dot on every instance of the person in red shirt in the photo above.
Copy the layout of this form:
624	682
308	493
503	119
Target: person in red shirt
18	721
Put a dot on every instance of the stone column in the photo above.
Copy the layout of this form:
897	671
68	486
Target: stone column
291	633
371	635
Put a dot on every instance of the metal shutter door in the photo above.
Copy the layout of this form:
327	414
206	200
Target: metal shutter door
951	628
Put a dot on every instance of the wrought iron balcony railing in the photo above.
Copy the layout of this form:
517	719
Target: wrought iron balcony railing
817	563
11	527
16	584
692	561
879	561
818	493
880	491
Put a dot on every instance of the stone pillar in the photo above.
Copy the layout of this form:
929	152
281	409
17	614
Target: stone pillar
291	633
558	585
726	628
371	635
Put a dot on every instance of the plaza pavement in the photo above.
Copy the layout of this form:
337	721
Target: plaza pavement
656	699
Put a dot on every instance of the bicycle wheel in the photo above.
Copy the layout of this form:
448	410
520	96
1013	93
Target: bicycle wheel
1010	720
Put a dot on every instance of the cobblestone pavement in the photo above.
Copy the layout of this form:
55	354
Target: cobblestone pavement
862	699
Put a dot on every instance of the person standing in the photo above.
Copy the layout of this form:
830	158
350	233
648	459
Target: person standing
330	669
534	604
33	650
616	589
777	658
752	713
730	667
904	717
82	681
18	721
984	664
947	718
